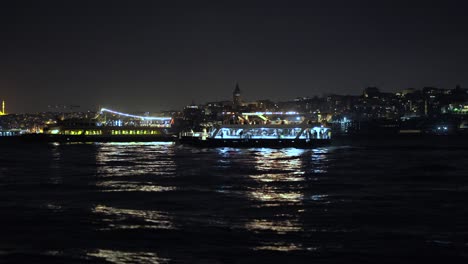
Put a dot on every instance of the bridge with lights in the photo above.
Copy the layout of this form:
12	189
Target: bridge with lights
147	118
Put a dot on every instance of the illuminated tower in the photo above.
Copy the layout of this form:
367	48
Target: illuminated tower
3	109
236	96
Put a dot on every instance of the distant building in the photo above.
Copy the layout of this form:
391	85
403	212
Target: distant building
236	96
408	91
371	92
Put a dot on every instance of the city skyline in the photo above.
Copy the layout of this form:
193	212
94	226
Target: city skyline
150	57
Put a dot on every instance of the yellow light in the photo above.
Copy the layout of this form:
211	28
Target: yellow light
3	112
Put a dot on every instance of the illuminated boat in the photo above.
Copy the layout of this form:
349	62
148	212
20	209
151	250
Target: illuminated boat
111	126
263	133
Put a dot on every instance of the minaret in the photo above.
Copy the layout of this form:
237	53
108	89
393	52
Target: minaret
236	96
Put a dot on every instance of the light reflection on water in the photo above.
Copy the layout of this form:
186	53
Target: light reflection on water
53	207
284	166
279	226
320	160
284	247
276	196
56	156
128	257
133	167
277	179
280	183
279	166
152	203
134	161
126	186
288	160
118	218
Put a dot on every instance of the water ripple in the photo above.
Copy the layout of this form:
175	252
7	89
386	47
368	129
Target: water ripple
118	218
115	256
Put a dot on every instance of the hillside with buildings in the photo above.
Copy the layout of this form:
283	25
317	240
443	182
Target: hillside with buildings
426	110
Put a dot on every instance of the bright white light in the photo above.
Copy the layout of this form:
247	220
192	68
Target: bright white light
135	116
270	113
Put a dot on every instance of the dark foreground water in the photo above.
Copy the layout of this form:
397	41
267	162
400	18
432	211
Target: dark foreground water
165	203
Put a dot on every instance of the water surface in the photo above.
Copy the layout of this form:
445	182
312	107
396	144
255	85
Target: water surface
166	203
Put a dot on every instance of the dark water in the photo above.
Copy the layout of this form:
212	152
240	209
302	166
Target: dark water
165	203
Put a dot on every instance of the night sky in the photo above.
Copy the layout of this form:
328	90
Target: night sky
149	56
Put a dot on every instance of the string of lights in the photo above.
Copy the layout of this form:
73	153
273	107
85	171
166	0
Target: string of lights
135	116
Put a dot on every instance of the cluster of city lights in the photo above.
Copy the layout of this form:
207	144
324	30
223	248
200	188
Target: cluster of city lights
264	113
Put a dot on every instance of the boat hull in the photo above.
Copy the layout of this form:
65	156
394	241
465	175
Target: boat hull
93	138
255	143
